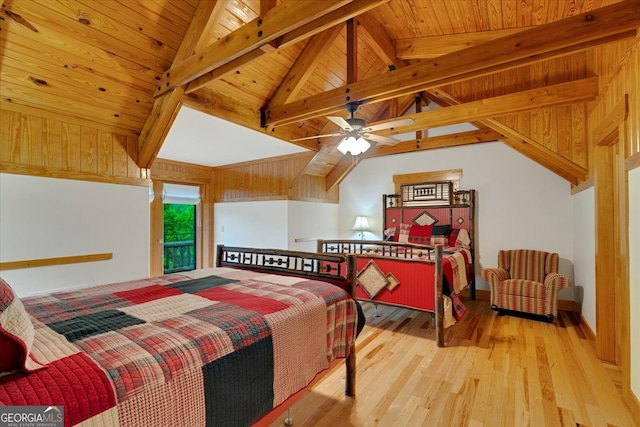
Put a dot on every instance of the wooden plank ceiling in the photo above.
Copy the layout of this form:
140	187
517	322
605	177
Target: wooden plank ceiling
514	68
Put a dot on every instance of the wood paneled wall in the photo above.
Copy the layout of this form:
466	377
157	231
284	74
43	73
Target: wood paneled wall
270	180
561	129
44	146
618	65
616	112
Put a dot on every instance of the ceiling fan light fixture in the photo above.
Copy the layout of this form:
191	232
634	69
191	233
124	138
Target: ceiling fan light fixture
353	145
363	144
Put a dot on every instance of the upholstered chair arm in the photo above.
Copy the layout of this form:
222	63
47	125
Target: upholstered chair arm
553	283
494	276
557	280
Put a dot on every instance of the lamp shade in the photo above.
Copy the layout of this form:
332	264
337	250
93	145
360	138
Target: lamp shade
361	224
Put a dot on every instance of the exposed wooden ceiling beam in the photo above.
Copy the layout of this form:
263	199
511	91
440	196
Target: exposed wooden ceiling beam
304	65
434	46
310	29
353	9
576	91
551	160
382	44
277	22
340	171
165	108
430	143
569	35
563	93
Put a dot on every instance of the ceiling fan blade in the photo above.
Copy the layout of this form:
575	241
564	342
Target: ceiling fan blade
393	124
340	122
316	137
381	139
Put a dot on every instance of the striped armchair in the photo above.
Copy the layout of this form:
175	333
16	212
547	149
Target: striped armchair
526	281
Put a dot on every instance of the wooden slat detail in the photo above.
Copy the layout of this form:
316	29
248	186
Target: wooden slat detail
34	145
45	99
269	179
18	106
43	262
572	34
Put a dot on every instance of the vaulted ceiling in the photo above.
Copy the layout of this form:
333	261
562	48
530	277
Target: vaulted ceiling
515	68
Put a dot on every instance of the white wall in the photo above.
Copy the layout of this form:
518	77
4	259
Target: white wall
634	276
519	203
47	217
275	224
584	258
251	224
310	220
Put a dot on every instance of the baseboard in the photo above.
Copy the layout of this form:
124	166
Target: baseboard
563	304
584	325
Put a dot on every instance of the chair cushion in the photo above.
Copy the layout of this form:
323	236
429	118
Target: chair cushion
522	287
522	295
527	264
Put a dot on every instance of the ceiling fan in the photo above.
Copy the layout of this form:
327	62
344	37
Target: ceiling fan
357	135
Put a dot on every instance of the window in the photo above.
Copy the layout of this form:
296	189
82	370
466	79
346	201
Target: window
180	220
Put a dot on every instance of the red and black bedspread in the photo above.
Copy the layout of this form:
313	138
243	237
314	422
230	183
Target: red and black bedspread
212	347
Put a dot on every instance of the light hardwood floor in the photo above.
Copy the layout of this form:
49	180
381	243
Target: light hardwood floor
495	371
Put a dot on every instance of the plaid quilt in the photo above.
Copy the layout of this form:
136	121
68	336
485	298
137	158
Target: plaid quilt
211	347
457	268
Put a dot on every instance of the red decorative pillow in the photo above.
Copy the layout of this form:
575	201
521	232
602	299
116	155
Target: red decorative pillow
420	234
16	333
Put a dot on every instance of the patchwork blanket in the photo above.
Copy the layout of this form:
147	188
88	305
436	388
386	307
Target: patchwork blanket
211	347
455	266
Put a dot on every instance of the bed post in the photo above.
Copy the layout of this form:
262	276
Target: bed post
439	301
320	243
350	383
472	236
219	251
